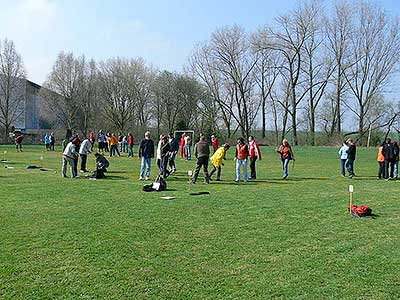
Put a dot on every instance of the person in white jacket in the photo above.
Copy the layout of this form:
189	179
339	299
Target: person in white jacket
84	150
69	156
343	157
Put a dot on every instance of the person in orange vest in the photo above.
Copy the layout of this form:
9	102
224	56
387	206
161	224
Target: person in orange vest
113	141
381	162
285	150
242	152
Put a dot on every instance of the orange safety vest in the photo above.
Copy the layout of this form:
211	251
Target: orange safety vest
380	157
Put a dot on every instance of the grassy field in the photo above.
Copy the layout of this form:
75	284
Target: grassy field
269	239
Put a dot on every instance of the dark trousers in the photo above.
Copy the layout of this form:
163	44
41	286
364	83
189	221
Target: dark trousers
253	174
381	170
343	161
18	146
350	166
163	166
201	162
218	170
83	161
75	165
389	173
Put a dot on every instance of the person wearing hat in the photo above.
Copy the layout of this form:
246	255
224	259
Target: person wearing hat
217	161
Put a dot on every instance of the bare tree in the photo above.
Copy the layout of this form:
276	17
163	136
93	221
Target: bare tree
64	92
12	86
375	52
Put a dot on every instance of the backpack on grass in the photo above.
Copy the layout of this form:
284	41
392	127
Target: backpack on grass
361	211
158	185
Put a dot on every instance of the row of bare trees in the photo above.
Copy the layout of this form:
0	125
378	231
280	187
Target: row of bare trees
306	70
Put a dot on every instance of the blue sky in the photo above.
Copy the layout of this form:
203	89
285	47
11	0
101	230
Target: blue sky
162	32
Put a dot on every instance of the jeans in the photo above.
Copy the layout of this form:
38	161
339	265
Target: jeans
71	162
396	169
215	169
285	166
172	161
389	169
201	162
146	163
343	166
253	174
130	154
350	166
239	164
188	153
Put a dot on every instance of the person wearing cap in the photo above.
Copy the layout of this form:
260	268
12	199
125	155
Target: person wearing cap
254	153
146	153
202	153
214	143
217	161
69	157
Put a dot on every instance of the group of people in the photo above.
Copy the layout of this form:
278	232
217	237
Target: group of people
112	143
49	141
388	160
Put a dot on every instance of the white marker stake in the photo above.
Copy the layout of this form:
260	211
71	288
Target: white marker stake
351	190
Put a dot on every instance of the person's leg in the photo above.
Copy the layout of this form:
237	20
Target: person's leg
197	170
286	168
116	149
212	171
75	164
392	169
386	169
343	167
72	163
253	173
64	167
351	168
396	169
148	167
188	154
159	164
238	165
245	174
219	173
205	167
83	162
130	154
381	173
142	166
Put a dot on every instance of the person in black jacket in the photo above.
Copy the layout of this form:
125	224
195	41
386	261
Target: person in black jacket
388	153
396	151
351	157
165	155
146	153
174	145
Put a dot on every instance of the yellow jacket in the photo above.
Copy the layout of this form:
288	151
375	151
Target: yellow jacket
218	157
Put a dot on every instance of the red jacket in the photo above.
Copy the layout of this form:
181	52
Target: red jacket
254	150
130	139
214	143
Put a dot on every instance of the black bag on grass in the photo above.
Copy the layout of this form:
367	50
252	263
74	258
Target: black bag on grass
158	185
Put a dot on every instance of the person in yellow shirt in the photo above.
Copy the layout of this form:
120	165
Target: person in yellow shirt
217	161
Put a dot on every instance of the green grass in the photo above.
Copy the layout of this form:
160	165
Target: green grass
269	239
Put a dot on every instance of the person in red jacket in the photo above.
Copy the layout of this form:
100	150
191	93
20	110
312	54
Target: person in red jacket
242	152
130	144
182	145
254	153
214	142
18	142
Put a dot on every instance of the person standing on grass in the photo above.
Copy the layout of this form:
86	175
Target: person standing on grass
217	160
165	153
158	152
242	153
18	142
84	150
214	143
286	152
113	141
188	145
146	153
351	157
254	153
174	145
52	141
92	140
182	146
69	157
343	157
388	153
202	153
396	158
47	141
381	163
130	144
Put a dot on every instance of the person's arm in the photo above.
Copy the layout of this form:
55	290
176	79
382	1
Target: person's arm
258	152
195	150
291	153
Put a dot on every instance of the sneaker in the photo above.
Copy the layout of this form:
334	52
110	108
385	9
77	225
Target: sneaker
285	177
350	176
82	171
236	180
218	179
147	178
141	178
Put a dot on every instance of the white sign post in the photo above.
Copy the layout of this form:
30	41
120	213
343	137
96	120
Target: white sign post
351	190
